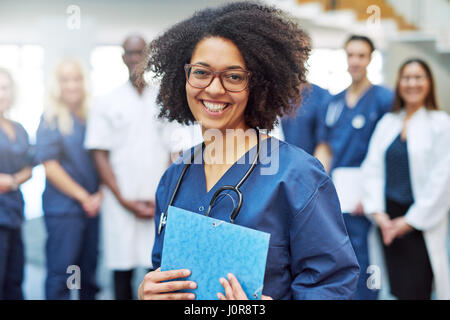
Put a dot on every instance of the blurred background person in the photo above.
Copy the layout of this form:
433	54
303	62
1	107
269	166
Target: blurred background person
407	186
350	119
130	154
71	199
15	169
305	128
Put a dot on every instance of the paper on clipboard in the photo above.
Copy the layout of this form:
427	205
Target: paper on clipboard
211	249
348	184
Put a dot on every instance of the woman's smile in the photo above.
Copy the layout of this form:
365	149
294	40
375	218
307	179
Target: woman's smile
215	108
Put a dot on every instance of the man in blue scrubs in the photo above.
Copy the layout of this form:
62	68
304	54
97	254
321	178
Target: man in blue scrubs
304	128
350	120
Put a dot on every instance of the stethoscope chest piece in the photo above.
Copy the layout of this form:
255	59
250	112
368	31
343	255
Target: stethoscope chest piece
358	121
162	222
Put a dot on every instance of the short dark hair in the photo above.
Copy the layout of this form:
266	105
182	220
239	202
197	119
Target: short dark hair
274	49
430	99
356	37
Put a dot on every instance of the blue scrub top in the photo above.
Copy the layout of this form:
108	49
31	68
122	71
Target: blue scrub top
310	255
348	130
306	128
14	156
69	151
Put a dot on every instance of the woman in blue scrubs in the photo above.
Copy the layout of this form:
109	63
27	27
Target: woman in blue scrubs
233	70
15	169
71	199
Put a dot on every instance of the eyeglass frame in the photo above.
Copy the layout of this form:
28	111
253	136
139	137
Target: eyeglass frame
215	73
406	79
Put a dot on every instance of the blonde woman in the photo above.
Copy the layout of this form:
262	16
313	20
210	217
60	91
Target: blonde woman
15	169
71	200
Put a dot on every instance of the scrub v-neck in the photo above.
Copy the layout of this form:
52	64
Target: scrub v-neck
361	97
231	175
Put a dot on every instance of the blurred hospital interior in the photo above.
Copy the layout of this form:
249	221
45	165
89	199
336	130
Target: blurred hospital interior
35	35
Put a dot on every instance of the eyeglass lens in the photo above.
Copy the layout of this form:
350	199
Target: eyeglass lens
232	80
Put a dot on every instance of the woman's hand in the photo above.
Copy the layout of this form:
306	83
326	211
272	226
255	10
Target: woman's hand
359	210
391	229
233	290
386	226
141	209
153	287
401	227
91	204
6	182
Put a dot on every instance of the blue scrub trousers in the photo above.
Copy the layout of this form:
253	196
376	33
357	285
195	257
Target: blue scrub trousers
72	240
12	261
358	230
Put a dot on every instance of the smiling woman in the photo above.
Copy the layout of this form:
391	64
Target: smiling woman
234	69
407	183
274	50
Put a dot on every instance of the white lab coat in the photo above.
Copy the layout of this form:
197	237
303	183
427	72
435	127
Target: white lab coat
125	124
428	137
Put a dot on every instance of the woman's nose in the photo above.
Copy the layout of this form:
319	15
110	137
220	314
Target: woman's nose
215	87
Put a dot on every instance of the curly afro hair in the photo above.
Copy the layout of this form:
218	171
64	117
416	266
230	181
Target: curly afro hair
274	49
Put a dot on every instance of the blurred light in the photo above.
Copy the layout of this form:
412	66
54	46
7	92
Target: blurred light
328	69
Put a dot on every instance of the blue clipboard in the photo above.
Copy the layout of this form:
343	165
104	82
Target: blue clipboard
211	249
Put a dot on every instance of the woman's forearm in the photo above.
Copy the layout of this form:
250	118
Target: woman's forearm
22	175
324	155
63	182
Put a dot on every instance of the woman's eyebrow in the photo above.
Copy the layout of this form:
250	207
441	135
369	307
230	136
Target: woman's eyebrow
229	67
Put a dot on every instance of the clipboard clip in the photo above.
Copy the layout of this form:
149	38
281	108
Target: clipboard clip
162	222
258	293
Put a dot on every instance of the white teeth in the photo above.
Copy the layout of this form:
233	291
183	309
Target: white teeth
214	107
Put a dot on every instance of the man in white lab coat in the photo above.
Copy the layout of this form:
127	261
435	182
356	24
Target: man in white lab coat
126	138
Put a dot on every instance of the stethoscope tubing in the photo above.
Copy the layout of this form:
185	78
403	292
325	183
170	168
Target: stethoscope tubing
235	189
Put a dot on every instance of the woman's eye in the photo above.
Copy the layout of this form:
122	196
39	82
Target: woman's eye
234	77
200	72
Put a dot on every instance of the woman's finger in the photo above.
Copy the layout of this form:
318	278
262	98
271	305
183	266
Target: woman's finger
159	276
238	292
221	296
171	286
171	296
228	290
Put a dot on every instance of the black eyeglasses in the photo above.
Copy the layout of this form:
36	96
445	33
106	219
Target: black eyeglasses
200	77
131	52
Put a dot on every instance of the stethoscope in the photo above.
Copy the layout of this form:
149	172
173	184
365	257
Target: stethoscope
235	189
334	111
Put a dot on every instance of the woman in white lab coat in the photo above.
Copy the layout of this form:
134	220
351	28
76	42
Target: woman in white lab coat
407	186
